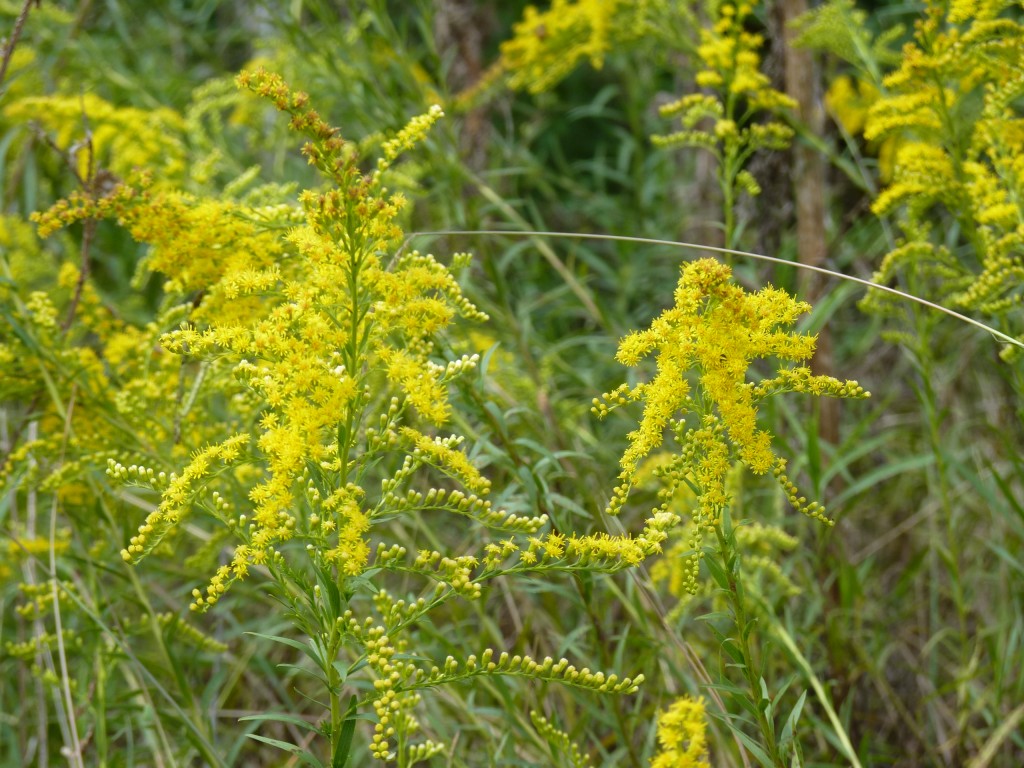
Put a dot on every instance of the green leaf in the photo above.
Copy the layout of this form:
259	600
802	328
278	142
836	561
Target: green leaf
329	588
742	697
299	752
355	666
306	649
497	419
715	616
731	689
717	573
755	749
790	727
304	671
873	479
1004	486
362	583
485	360
728	644
781	688
342	669
21	333
281	717
348	729
1010	559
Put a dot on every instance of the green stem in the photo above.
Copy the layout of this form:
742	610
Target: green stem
337	708
729	213
744	628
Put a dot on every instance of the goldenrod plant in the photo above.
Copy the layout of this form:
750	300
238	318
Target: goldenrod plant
843	30
121	138
954	100
943	112
336	373
717	330
948	112
682	736
548	45
324	339
725	116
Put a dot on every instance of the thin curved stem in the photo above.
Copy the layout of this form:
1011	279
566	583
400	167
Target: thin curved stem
728	251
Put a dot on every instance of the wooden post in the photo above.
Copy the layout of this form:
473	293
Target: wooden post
809	185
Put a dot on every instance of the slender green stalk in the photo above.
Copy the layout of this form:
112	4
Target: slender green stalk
728	251
744	626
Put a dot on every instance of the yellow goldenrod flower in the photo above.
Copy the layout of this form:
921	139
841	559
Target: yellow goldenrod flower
952	103
703	348
682	735
739	94
547	46
122	138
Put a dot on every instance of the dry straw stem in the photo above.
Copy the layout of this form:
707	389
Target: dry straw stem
716	249
12	41
73	751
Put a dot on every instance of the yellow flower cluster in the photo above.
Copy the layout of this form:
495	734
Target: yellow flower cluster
848	100
123	138
547	669
704	346
719	329
294	373
38	599
547	46
723	118
196	242
311	323
398	677
110	381
409	136
23	261
732	63
19	548
178	495
731	71
23	73
441	452
574	552
840	28
760	546
954	101
23	271
29	650
682	735
392	700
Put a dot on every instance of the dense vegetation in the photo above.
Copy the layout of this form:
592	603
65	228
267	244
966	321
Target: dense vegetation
477	384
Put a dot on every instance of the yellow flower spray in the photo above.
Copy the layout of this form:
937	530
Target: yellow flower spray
954	102
724	117
323	340
547	46
700	394
948	123
682	736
